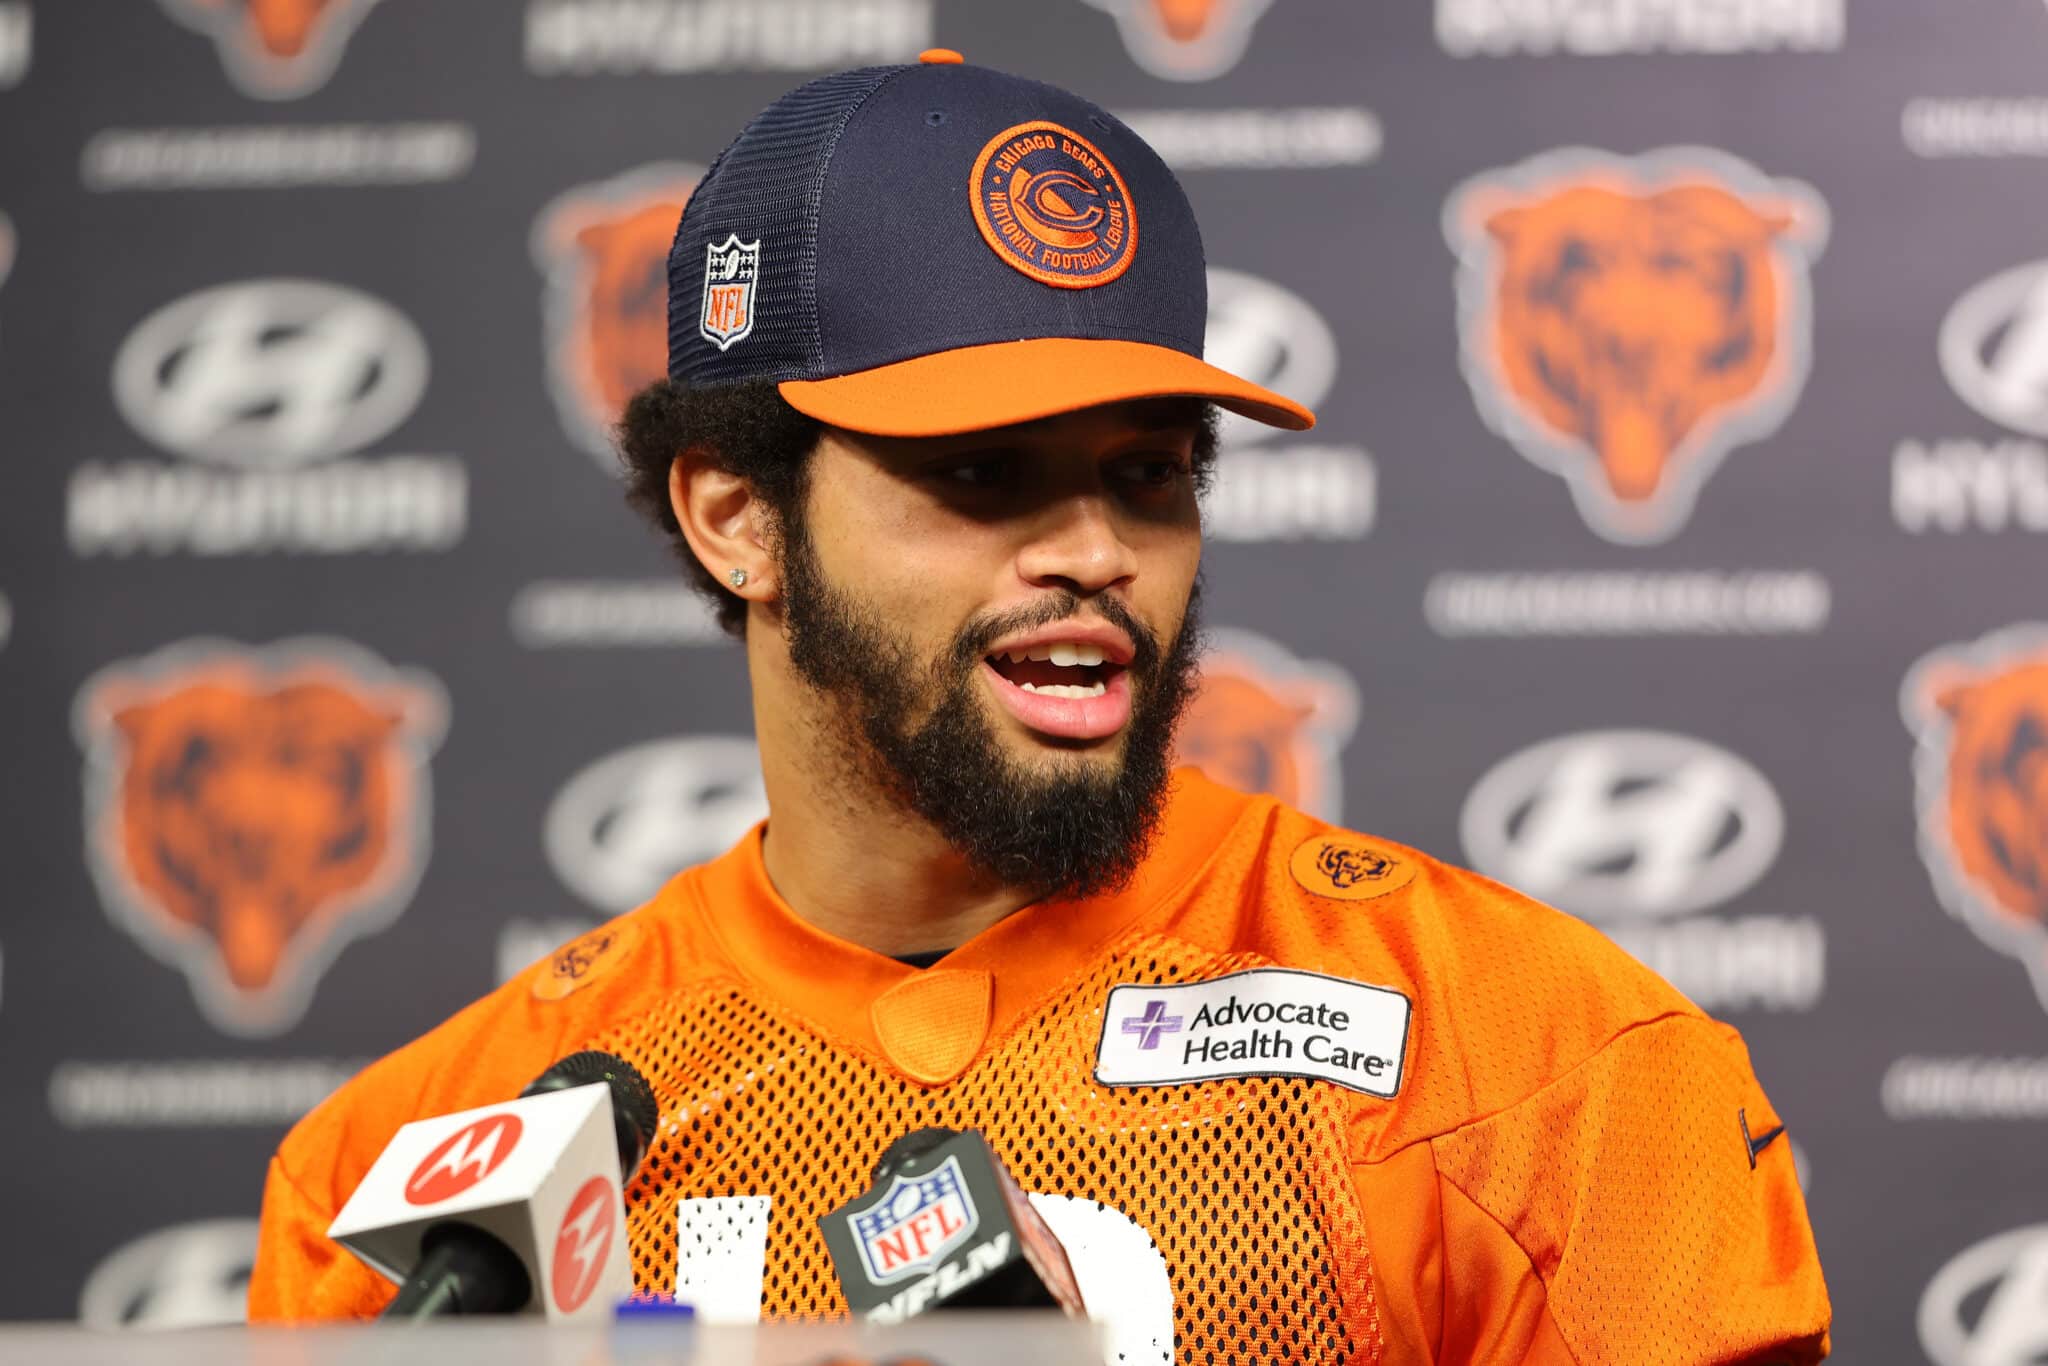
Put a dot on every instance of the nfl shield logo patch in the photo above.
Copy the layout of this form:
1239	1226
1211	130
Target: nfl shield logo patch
914	1223
729	270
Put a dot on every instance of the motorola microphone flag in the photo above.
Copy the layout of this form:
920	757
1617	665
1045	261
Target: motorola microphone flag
542	1176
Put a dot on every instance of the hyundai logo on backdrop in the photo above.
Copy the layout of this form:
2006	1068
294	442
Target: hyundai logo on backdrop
1994	348
1625	823
191	1275
1988	1305
1636	830
632	820
270	373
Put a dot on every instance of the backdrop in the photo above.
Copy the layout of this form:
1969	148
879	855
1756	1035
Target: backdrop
1671	546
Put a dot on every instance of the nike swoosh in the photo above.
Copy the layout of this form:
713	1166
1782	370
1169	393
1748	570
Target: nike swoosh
1760	1141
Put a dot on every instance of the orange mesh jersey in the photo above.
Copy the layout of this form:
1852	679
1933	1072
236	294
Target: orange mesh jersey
1573	1166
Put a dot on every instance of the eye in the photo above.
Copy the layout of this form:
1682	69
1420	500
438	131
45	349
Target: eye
1152	471
984	470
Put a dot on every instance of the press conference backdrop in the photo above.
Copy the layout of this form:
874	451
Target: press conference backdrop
1673	545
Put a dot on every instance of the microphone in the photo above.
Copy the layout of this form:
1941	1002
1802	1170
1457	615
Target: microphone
944	1226
474	1212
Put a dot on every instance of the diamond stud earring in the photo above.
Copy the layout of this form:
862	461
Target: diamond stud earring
737	578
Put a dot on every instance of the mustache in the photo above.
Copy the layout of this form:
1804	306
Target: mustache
1061	604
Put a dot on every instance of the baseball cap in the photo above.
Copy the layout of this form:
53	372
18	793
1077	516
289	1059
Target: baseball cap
925	249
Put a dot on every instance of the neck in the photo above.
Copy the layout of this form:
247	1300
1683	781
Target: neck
846	856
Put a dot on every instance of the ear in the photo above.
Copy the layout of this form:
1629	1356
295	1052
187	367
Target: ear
726	523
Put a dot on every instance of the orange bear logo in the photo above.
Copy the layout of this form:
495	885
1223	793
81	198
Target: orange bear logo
1980	715
604	250
1185	40
275	49
1628	321
1264	721
249	812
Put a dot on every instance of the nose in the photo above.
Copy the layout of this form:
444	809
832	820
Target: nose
1079	546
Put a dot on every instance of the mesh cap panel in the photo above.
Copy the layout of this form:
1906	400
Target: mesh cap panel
783	154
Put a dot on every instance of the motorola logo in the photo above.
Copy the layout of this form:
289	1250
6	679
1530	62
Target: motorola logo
1624	823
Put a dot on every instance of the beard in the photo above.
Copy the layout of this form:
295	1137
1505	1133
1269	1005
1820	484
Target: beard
1067	828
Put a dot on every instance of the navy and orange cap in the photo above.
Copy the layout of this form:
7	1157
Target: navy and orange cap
938	248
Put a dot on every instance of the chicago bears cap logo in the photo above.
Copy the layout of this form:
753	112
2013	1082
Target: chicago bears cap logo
604	250
1264	721
730	268
275	49
1979	715
250	811
1626	321
1051	205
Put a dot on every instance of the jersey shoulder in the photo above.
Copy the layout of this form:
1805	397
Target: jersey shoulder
1506	994
489	1050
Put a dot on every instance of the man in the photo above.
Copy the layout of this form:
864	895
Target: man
933	433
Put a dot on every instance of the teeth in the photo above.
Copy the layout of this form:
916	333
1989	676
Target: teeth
1064	655
1065	689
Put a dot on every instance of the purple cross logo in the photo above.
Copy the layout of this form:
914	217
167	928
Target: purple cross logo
1149	1026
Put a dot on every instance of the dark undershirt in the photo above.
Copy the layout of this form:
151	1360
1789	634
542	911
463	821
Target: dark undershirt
922	960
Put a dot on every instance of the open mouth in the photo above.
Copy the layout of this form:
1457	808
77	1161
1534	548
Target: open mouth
1057	670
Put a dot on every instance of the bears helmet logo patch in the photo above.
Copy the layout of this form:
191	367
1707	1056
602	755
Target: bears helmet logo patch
275	49
1185	40
603	249
1262	720
251	811
1979	715
1626	321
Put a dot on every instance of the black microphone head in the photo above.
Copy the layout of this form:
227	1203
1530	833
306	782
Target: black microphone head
634	1114
909	1148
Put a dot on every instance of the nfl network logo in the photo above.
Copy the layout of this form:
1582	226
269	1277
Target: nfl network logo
914	1223
729	270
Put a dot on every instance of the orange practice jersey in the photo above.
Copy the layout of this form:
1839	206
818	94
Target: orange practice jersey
1522	1147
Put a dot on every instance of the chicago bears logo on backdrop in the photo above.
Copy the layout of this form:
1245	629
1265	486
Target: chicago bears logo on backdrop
1979	713
1626	321
1265	721
275	49
1185	40
604	250
250	811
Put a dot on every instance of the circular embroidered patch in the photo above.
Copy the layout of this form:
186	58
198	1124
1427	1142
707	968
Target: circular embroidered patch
1050	204
1348	869
573	966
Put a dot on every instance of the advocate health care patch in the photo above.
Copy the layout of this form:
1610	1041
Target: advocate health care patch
1265	1022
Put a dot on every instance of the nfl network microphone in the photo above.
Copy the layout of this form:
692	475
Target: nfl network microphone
510	1208
944	1226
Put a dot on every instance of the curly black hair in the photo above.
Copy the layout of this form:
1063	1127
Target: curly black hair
757	435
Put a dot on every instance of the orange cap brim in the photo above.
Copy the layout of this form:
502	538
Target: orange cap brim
977	387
